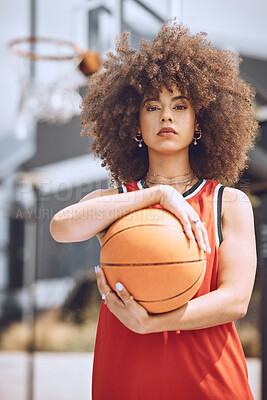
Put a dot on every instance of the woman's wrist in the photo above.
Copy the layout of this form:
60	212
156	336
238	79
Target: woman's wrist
156	323
156	192
166	194
149	325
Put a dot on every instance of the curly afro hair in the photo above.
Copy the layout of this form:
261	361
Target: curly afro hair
221	100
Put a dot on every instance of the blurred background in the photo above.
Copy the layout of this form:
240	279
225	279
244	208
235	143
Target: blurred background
49	301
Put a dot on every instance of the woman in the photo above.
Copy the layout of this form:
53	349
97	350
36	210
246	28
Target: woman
173	123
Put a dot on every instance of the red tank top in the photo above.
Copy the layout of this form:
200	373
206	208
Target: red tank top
204	364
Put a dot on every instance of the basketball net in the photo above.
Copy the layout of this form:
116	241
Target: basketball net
49	83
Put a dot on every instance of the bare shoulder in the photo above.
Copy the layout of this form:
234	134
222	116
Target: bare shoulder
100	193
236	207
234	198
232	195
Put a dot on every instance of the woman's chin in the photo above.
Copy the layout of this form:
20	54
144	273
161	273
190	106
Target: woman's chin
167	148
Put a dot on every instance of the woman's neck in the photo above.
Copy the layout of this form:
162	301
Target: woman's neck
173	170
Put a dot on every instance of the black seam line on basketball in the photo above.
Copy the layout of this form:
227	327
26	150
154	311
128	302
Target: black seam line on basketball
137	226
142	264
173	297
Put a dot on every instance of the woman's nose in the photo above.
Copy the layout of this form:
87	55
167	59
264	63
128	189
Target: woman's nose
166	117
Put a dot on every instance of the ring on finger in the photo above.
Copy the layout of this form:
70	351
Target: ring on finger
130	298
104	297
195	221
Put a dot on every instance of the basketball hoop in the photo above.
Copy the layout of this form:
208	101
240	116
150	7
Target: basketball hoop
46	70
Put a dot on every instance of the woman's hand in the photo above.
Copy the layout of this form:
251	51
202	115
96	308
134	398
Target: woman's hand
122	304
174	202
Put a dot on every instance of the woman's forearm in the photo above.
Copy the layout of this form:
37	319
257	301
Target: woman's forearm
83	220
215	308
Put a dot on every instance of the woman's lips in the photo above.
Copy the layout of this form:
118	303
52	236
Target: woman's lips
166	134
167	131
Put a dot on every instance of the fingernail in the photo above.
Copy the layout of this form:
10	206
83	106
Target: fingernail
204	247
97	269
119	286
209	250
192	236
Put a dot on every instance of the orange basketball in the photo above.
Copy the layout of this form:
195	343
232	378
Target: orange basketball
149	252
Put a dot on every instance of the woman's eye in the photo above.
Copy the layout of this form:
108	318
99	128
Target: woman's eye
152	108
180	107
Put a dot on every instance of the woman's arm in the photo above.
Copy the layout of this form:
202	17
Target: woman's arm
236	274
97	211
100	209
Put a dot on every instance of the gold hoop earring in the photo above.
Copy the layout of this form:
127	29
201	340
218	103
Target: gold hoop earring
139	139
199	133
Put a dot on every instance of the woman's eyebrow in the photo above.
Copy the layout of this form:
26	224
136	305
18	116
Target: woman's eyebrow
173	99
179	97
151	99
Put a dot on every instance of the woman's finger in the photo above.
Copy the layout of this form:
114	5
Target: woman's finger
108	295
187	226
206	239
102	284
198	231
204	233
123	293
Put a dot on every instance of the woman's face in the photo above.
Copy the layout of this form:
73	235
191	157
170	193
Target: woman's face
170	110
